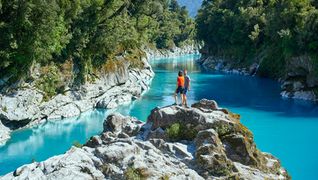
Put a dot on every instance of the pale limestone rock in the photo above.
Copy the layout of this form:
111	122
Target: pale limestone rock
159	133
84	105
298	85
74	164
4	134
153	52
20	106
69	110
305	95
116	123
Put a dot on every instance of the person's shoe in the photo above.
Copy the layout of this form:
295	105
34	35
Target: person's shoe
180	104
186	105
174	104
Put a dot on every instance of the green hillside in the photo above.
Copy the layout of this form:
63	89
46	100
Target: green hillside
89	34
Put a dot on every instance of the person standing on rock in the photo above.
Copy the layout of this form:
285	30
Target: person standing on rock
179	89
186	87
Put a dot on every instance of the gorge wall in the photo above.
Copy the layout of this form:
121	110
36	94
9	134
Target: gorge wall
25	105
298	81
153	53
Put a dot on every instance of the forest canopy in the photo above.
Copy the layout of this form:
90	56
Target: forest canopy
247	29
88	32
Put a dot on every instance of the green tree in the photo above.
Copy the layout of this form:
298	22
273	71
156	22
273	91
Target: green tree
30	30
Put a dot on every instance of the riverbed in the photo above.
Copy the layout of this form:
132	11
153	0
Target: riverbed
284	127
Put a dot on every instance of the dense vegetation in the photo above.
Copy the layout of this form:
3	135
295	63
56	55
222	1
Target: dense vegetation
272	30
88	33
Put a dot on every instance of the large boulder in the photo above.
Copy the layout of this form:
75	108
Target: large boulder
117	123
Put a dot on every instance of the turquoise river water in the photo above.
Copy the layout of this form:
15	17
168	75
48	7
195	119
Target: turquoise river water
284	127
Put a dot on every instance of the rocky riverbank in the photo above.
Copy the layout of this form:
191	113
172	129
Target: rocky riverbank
26	106
225	66
299	80
152	52
201	142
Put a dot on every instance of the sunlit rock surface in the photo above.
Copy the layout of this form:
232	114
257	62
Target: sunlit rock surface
210	143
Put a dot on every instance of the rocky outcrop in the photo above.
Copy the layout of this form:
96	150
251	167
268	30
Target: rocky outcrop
298	82
153	52
210	143
226	66
26	107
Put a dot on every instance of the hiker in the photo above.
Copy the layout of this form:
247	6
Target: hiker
186	87
179	88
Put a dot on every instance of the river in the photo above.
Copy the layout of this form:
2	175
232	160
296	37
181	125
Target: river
284	127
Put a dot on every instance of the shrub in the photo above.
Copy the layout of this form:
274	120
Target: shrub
77	144
221	131
180	44
32	159
174	131
178	132
4	109
136	174
49	79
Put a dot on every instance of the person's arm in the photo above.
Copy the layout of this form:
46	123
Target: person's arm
177	84
189	86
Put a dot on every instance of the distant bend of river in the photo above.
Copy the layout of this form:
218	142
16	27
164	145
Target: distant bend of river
284	127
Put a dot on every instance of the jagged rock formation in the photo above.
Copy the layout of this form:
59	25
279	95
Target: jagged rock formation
225	66
210	143
153	52
299	80
26	107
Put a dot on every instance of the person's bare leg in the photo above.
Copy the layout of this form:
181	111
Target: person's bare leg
181	96
175	97
185	100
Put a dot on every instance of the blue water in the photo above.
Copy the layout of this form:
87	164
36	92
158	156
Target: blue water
284	127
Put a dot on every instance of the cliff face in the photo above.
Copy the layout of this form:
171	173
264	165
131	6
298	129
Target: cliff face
298	81
26	106
153	52
208	143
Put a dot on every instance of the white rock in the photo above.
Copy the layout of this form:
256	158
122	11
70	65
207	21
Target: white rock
305	95
298	85
84	105
4	134
69	110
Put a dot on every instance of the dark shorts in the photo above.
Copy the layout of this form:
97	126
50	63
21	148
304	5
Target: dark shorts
185	90
180	90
